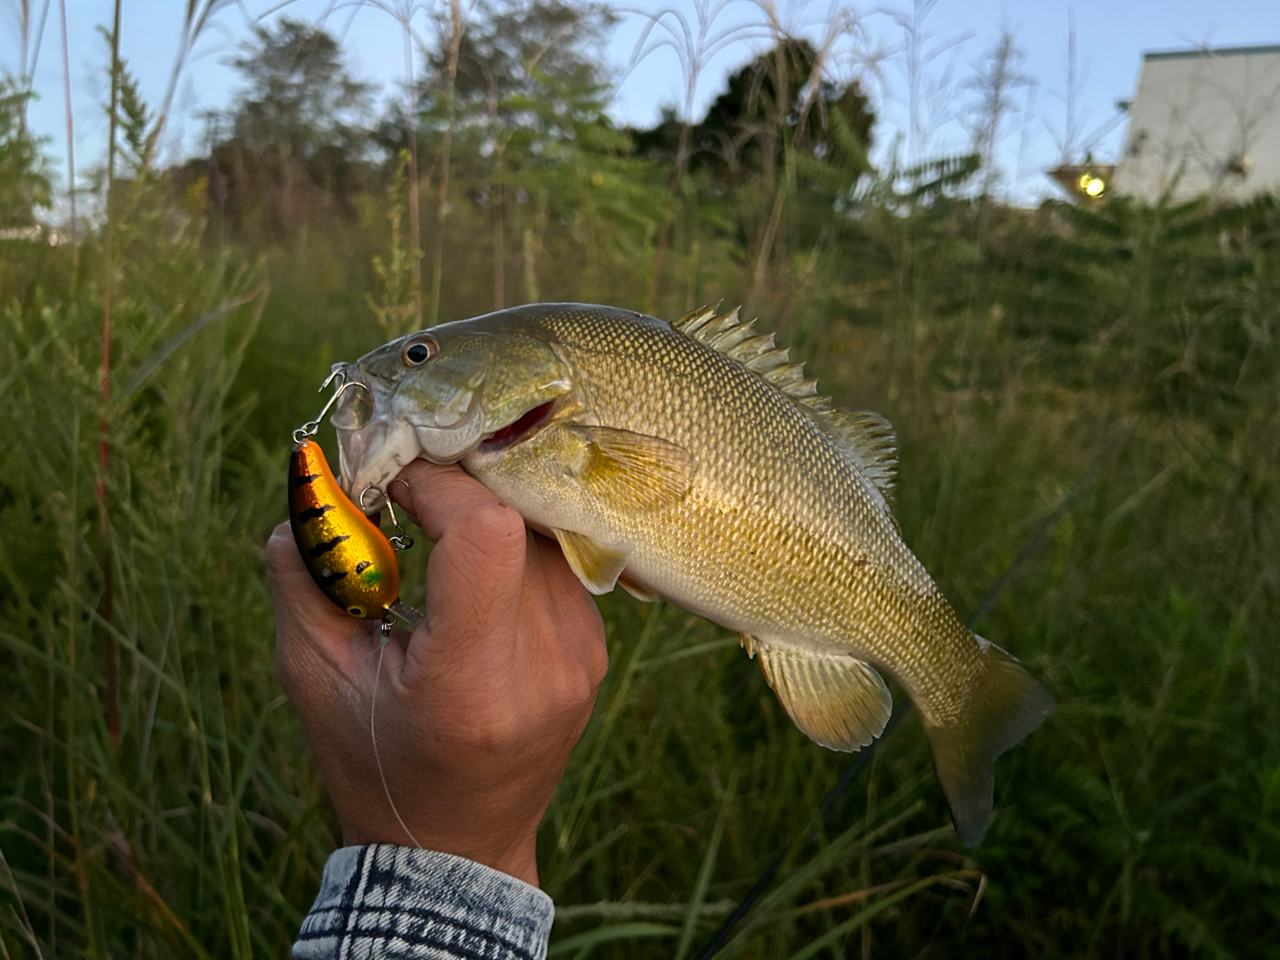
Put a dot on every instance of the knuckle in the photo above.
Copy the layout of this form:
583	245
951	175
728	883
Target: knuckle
570	685
499	521
496	529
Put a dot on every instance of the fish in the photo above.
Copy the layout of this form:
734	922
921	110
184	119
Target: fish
693	461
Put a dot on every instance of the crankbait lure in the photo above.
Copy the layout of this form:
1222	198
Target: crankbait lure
349	558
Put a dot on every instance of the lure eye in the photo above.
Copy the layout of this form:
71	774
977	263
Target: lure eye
419	350
357	611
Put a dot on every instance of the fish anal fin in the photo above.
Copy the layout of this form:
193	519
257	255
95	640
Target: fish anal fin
1005	705
633	470
838	701
598	567
637	590
873	440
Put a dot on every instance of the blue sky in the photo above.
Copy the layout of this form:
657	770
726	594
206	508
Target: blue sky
1110	39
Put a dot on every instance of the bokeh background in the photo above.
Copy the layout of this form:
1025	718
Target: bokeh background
1086	392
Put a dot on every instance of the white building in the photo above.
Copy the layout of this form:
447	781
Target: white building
1204	121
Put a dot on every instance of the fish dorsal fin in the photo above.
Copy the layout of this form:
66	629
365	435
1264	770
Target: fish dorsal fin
729	334
868	435
598	567
873	441
837	701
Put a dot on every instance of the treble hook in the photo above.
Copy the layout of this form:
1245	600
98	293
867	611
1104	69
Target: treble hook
399	539
312	427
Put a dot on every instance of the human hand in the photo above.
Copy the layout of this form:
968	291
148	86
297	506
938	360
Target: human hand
478	710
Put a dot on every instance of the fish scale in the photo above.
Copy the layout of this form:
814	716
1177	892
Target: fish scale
693	461
784	497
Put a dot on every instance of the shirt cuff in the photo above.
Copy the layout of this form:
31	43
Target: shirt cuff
384	901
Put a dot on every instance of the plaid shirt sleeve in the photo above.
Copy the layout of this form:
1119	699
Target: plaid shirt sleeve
380	901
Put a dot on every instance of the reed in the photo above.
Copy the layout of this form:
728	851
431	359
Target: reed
1086	401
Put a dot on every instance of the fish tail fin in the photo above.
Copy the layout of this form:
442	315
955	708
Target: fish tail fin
1005	705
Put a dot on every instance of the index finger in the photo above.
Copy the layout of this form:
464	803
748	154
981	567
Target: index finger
437	495
475	576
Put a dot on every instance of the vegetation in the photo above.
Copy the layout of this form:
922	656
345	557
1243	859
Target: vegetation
1087	399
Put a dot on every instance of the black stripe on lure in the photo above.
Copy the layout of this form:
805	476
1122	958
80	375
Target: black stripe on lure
349	558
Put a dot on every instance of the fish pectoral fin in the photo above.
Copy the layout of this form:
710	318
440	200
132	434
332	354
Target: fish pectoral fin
633	470
837	701
597	567
641	593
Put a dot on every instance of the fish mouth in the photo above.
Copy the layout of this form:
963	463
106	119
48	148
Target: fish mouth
372	454
520	429
378	437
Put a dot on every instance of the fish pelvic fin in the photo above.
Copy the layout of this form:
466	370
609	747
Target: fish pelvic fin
1007	703
597	566
636	589
837	701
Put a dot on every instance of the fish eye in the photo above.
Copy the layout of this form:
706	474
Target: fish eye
419	350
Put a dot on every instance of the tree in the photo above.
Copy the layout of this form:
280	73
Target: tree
300	100
515	54
528	100
294	138
781	95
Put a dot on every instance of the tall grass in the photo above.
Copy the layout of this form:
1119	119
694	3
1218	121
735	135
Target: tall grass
1087	402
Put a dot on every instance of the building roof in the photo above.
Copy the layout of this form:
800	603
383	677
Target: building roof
1212	52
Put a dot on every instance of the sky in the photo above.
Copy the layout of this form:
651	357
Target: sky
954	38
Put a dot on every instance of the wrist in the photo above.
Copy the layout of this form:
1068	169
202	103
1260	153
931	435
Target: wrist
515	856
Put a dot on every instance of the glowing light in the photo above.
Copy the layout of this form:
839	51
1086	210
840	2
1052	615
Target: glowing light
1092	186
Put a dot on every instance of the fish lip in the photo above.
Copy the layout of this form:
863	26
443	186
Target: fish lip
394	446
374	454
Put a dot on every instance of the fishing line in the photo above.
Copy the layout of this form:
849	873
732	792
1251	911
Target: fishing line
373	737
903	707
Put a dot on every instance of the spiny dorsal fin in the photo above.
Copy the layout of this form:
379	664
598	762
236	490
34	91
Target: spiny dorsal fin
869	435
729	334
873	440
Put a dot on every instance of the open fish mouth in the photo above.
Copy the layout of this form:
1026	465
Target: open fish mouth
374	444
523	427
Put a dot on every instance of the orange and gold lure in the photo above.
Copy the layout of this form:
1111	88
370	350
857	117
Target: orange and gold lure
348	557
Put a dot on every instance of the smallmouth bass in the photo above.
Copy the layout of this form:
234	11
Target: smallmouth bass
693	461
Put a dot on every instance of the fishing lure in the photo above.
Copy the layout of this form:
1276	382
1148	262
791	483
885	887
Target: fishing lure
350	559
